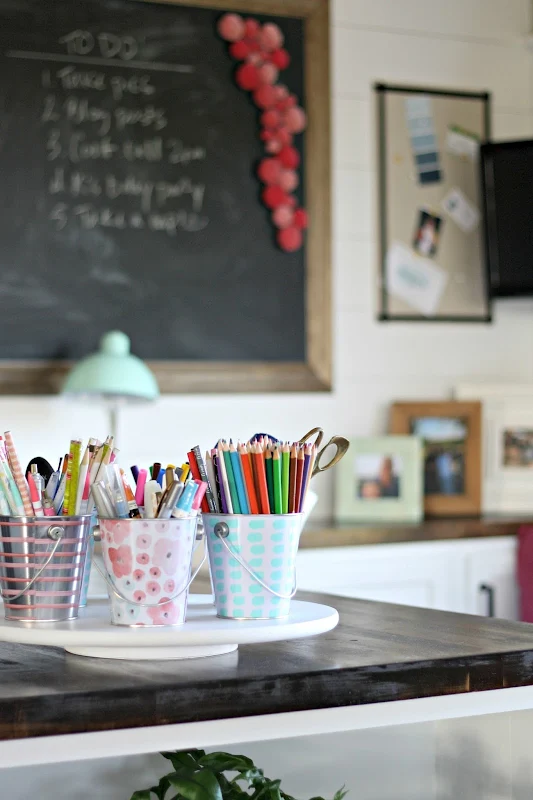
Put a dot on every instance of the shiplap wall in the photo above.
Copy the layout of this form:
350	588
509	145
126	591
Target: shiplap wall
469	44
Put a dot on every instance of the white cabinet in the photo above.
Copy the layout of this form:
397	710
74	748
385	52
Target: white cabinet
445	575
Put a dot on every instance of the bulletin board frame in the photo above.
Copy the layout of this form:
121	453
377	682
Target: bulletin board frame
386	314
314	371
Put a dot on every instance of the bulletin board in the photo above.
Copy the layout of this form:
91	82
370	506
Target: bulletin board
432	259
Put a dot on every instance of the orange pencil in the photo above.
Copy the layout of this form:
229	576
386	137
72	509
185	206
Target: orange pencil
246	463
299	471
258	461
292	480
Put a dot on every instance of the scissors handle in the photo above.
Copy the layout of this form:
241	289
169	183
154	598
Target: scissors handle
341	445
318	440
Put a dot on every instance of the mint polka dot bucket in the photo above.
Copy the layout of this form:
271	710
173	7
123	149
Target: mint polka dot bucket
252	559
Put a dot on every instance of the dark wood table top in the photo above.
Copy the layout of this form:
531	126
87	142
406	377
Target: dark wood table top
379	652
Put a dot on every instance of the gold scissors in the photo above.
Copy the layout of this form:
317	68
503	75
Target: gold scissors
340	443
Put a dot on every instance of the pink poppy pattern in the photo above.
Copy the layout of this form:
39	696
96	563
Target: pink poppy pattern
148	562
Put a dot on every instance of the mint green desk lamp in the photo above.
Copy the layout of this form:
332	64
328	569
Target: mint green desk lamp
113	374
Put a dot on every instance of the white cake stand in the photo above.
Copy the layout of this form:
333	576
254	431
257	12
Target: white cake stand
202	635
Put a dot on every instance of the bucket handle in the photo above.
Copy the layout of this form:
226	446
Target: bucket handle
221	531
119	594
55	533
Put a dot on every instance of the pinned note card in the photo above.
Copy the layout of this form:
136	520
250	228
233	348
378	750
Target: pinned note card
462	143
417	281
461	210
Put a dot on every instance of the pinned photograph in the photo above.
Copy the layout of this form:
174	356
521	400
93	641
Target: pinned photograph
377	476
426	238
444	453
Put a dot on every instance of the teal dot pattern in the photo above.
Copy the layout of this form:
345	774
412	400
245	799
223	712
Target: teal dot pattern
268	545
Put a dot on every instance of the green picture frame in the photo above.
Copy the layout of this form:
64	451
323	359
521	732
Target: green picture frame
380	480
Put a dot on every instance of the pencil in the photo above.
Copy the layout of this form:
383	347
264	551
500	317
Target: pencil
269	477
225	496
293	500
239	479
276	471
246	464
74	471
285	468
306	477
212	481
208	500
16	470
258	460
231	479
299	471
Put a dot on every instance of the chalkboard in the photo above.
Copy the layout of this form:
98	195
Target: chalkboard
129	194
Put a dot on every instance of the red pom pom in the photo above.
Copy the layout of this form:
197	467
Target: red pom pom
301	220
251	27
247	77
281	92
283	216
269	170
273	147
280	58
274	196
271	37
290	158
270	118
266	136
292	201
231	27
291	101
256	59
289	239
284	137
268	73
252	45
288	180
239	50
295	120
264	97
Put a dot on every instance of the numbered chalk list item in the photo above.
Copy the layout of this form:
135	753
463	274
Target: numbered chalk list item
129	194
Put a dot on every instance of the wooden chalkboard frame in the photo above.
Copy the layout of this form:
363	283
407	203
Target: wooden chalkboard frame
315	373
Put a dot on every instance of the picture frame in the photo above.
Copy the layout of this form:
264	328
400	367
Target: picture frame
507	416
430	223
380	480
313	371
451	433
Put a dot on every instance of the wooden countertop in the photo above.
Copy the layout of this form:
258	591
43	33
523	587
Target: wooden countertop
379	652
336	535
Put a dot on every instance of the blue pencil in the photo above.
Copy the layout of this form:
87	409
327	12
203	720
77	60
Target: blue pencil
239	479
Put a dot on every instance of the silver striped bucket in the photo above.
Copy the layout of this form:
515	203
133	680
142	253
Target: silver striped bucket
42	564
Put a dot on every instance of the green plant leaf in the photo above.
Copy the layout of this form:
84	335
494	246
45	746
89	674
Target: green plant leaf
143	794
225	762
342	792
183	760
254	776
198	785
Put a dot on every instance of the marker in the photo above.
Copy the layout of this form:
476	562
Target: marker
183	508
35	497
135	472
151	490
141	483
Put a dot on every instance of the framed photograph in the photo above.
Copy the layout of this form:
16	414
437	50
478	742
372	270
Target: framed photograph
451	436
507	414
380	480
431	242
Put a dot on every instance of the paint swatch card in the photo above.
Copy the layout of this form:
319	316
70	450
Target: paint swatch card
419	282
461	210
423	139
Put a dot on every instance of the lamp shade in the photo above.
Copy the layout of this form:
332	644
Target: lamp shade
112	372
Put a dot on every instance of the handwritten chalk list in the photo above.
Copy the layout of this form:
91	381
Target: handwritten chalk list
129	197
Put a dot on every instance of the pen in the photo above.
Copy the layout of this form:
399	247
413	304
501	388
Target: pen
169	501
35	497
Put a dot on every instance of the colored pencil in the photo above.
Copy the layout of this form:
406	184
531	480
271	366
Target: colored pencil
299	471
305	478
195	472
285	469
269	477
218	464
224	480
73	474
246	464
293	501
212	481
258	460
16	470
208	501
231	479
276	471
239	479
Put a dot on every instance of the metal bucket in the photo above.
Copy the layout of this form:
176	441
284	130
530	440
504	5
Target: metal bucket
252	559
148	569
42	562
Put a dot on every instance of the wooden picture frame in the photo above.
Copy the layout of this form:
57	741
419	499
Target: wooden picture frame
314	373
460	480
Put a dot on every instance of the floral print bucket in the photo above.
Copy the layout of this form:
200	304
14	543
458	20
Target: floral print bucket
148	566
